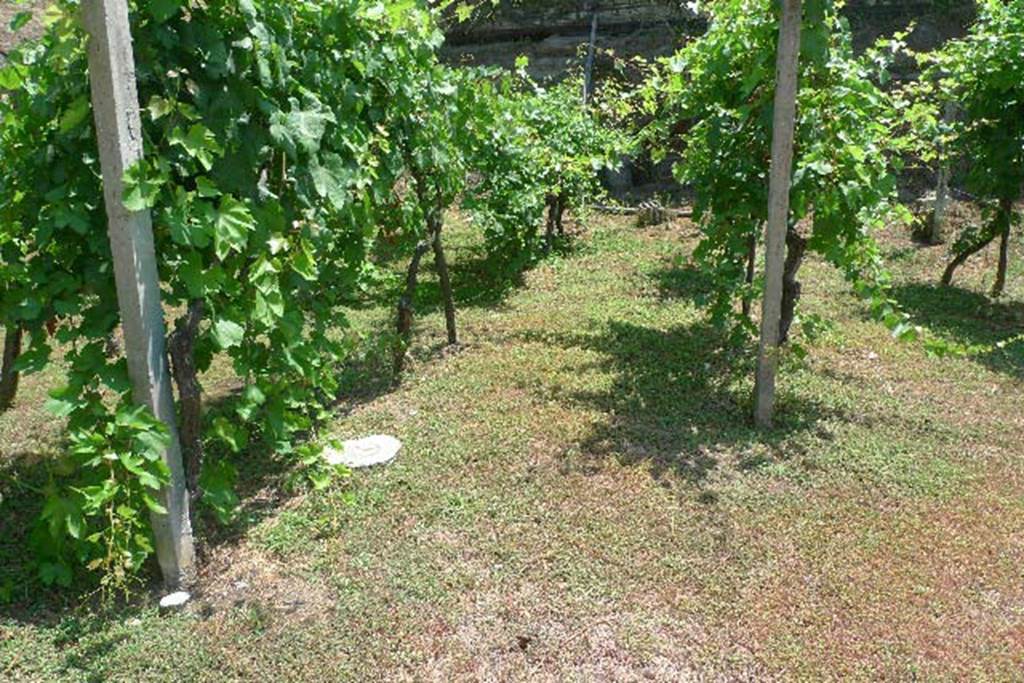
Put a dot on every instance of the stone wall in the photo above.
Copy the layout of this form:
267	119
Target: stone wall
552	34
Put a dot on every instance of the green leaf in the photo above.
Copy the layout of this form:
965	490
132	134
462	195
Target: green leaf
199	143
148	480
160	107
20	20
153	505
227	334
269	307
136	418
152	443
332	179
300	129
63	402
252	398
206	188
217	483
76	113
10	78
162	10
232	225
75	523
51	573
141	189
231	434
304	263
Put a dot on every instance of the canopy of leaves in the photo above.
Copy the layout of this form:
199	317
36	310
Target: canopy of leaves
983	73
280	140
713	104
272	134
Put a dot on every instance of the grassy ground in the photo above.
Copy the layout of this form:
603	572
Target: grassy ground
581	497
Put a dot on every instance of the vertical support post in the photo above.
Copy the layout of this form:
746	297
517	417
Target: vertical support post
119	135
783	126
588	69
937	228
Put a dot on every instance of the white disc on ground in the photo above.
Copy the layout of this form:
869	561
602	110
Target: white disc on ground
372	450
174	601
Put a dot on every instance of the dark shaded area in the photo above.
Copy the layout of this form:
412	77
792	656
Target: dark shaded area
480	281
683	281
970	318
679	396
24	478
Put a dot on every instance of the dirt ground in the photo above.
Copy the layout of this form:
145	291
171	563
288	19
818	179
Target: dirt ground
10	9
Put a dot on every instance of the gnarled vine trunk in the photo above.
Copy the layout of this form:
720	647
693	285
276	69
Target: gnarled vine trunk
181	348
9	377
403	324
999	227
796	247
1006	224
441	262
431	201
556	213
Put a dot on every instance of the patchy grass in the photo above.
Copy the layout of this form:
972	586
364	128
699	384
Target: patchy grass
581	496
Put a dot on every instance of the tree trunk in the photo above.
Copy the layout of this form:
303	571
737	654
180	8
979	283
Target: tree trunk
446	285
796	247
551	223
751	265
947	275
783	126
181	347
1006	223
406	309
994	230
13	336
561	202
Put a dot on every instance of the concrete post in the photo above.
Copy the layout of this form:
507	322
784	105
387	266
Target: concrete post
119	134
783	127
937	229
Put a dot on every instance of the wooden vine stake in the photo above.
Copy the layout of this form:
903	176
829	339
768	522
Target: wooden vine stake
119	134
783	125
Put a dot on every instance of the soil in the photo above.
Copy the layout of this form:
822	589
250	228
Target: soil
10	9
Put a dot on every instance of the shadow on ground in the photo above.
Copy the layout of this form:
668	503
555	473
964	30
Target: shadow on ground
680	398
479	280
683	281
970	318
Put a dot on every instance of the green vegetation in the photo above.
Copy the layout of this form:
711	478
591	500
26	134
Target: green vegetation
719	91
581	494
283	169
983	74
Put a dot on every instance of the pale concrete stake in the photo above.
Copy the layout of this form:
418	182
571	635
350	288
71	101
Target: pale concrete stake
783	124
938	222
119	134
